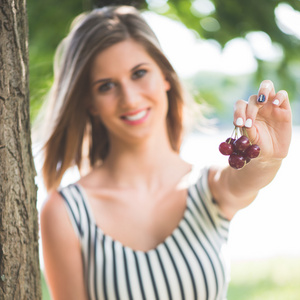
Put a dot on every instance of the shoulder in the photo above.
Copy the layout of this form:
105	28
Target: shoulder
206	187
54	217
218	181
56	229
200	174
211	175
52	207
61	250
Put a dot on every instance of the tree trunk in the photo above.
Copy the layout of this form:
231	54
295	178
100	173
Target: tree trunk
19	258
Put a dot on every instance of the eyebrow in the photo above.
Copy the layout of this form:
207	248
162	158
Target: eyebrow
107	79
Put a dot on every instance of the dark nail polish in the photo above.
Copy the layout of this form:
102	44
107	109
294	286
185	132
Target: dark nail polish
261	98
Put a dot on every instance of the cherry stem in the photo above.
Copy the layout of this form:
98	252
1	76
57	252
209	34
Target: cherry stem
246	134
236	132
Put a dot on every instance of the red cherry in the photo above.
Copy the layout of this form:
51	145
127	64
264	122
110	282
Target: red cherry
230	140
252	151
236	161
239	149
242	143
247	159
225	148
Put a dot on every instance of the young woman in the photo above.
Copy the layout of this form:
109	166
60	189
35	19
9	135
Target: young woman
141	223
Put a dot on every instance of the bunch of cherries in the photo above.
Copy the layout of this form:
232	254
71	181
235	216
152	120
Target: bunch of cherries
239	149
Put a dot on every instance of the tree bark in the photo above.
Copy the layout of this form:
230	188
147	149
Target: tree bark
19	258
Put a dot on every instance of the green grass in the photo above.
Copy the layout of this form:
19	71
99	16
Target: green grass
274	279
45	291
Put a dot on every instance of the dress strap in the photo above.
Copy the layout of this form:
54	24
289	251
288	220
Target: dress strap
77	208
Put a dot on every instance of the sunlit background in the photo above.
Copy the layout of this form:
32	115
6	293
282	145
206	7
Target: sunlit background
268	230
264	243
268	227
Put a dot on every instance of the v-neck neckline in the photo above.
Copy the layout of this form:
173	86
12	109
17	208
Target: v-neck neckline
116	241
191	182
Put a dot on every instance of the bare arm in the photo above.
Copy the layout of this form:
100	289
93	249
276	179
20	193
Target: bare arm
271	129
61	251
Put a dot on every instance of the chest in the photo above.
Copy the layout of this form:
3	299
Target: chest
177	269
139	220
186	264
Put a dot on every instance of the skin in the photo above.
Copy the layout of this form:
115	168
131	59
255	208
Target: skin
154	196
271	129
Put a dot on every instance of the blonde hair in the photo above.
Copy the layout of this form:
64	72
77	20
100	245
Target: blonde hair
68	121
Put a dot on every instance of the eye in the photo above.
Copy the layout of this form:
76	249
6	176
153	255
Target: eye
105	87
139	73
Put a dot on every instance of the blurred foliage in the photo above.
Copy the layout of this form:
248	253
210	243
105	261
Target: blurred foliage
49	22
235	19
140	4
220	91
226	20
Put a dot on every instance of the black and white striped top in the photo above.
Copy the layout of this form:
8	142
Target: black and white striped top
189	264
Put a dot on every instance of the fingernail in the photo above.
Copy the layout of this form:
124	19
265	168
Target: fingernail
261	98
265	85
248	123
239	122
276	102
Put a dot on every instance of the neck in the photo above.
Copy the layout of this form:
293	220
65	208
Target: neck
139	164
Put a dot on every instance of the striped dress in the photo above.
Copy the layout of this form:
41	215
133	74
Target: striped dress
190	264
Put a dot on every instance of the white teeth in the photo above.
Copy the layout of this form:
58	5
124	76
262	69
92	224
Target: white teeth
137	116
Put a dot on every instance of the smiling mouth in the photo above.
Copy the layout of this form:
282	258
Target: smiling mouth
136	117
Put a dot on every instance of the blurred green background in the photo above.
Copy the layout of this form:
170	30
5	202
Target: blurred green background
219	23
273	43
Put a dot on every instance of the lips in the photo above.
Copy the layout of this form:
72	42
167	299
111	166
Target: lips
135	117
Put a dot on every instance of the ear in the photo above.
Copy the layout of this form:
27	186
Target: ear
167	85
92	110
91	107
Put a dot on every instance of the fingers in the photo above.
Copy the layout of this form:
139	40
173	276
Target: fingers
245	112
240	109
252	110
266	91
281	99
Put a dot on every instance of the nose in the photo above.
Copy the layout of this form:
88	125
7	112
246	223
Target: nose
129	94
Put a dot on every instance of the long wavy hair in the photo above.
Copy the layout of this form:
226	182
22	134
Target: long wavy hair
69	125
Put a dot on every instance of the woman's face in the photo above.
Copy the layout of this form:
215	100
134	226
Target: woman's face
129	92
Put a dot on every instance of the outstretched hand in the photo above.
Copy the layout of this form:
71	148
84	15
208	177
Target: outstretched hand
267	118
